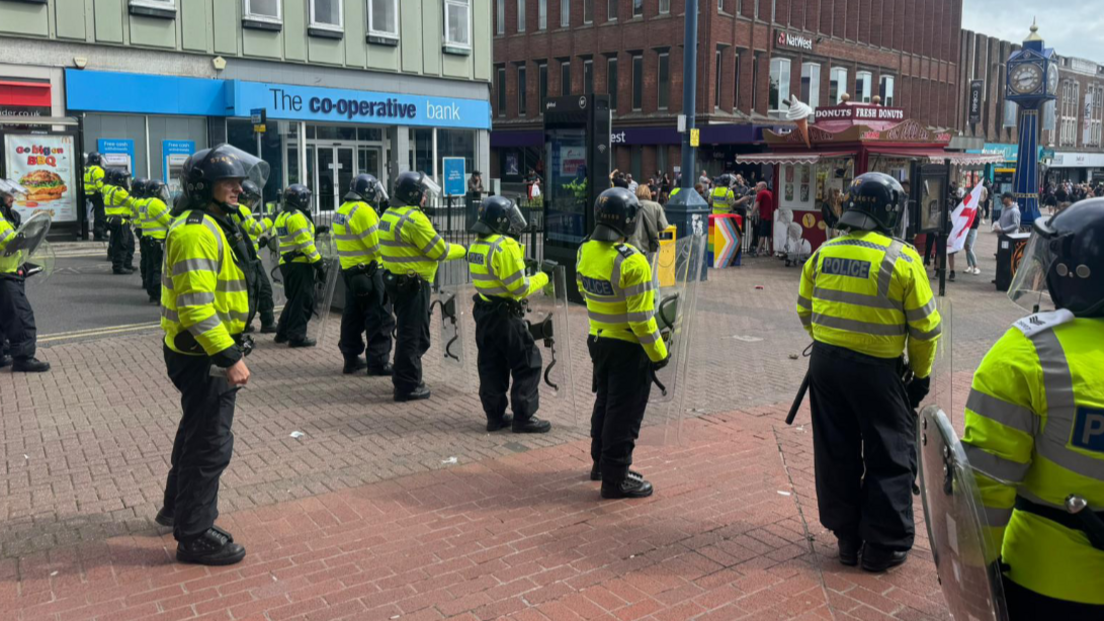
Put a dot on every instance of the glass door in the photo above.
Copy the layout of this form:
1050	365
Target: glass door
344	173
327	179
369	160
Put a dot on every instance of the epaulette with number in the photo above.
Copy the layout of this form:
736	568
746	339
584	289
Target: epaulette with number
195	217
626	250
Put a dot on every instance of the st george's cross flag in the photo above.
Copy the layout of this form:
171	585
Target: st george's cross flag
963	218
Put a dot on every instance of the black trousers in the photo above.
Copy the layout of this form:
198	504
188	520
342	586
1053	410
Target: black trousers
121	246
506	348
99	219
203	445
263	292
412	336
17	321
930	248
864	447
367	311
1027	605
153	254
622	381
299	288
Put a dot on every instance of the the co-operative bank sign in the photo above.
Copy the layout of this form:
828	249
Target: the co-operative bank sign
303	103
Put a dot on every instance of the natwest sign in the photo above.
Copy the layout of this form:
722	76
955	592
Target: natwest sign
793	41
860	113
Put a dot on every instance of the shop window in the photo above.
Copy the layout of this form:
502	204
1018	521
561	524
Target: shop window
458	26
500	16
664	7
501	82
421	155
663	95
565	78
383	21
588	11
456	143
522	85
542	14
885	89
637	82
779	85
325	18
588	76
810	84
864	82
262	14
521	15
565	13
611	82
611	9
638	8
837	85
542	86
153	8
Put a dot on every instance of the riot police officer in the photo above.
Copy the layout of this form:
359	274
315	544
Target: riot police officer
625	344
367	309
412	249
154	217
1035	425
18	335
258	227
722	197
119	209
497	264
865	299
93	193
300	264
205	308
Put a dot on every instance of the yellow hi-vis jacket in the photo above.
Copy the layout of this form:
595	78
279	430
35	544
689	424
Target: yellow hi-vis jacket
356	234
723	200
204	292
154	217
8	265
616	281
117	202
1035	429
497	266
296	233
870	293
93	181
410	244
254	227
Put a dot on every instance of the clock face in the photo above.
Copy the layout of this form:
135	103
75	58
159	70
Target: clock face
1052	79
1026	79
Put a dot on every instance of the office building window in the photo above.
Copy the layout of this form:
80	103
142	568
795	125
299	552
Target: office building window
542	14
521	15
542	86
611	9
779	84
500	16
736	80
637	82
717	81
810	84
588	77
458	23
565	78
326	14
500	80
611	82
588	11
565	13
383	18
755	81
638	8
522	85
664	7
837	85
663	98
864	82
262	10
885	89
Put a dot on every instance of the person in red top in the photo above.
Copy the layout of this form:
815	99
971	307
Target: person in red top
764	202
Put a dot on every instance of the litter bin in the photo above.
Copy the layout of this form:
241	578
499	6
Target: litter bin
665	257
1010	249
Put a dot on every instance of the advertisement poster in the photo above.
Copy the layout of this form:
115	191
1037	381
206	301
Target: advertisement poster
571	158
174	153
45	165
117	153
455	181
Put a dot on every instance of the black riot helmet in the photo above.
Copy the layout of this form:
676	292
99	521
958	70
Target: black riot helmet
616	214
498	214
1065	258
874	202
205	168
117	177
139	188
157	189
411	188
367	188
250	194
297	197
94	159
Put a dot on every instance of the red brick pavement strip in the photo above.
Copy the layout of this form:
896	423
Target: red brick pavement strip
518	537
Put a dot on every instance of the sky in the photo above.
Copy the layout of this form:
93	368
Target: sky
1071	27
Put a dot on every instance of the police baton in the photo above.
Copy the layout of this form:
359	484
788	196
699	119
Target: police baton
798	399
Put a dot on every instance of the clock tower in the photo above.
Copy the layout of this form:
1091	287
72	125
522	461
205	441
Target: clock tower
1032	82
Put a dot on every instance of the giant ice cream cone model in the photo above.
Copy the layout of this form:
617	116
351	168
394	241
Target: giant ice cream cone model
799	113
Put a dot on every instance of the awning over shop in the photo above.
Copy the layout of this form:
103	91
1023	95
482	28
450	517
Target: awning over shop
772	158
937	156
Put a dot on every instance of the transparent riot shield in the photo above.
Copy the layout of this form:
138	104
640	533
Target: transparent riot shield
269	254
451	309
40	264
964	559
28	237
941	390
324	289
549	323
675	305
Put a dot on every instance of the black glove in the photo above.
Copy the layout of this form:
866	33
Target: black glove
656	366
548	267
321	229
917	389
320	272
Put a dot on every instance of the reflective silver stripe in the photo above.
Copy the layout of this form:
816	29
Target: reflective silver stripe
195	265
374	250
166	281
860	327
397	244
7	235
150	229
1000	411
195	299
855	242
638	289
433	244
998	517
1028	494
232	286
296	232
348	237
649	339
919	314
484	277
926	336
407	260
208	324
857	299
512	278
370	231
804	302
359	253
604	318
403	219
806	320
233	316
495	290
885	275
445	254
169	314
994	467
640	317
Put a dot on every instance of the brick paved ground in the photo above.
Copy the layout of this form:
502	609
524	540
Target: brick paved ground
411	511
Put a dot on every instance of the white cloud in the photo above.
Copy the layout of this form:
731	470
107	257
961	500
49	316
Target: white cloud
1071	27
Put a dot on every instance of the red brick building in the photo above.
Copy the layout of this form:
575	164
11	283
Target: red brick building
753	54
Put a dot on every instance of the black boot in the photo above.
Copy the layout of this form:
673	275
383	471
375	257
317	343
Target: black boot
268	328
29	365
532	425
211	548
5	361
878	559
494	424
165	518
304	342
849	551
596	473
352	365
385	371
629	487
419	393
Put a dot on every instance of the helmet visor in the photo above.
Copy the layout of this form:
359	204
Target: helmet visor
517	221
10	187
1029	287
432	190
381	193
162	193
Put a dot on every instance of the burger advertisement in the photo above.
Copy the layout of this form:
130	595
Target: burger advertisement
45	166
